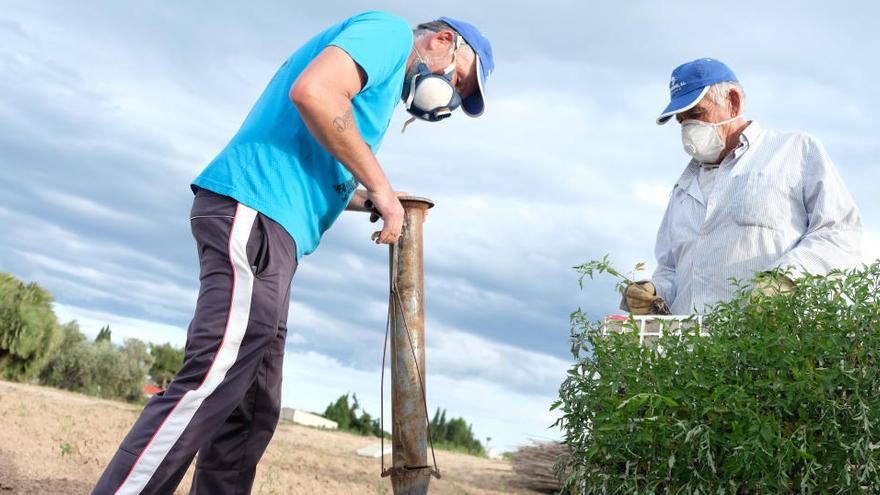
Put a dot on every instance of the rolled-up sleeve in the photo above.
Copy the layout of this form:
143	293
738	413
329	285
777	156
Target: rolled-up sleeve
834	233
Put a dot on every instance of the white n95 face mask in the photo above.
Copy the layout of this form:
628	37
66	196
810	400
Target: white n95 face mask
701	139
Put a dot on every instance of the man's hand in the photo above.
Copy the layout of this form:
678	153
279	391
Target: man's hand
642	299
771	284
367	201
361	197
387	205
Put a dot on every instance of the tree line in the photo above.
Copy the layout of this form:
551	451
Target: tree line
36	348
453	434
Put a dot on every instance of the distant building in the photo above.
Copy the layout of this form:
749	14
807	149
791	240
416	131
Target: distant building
375	451
306	418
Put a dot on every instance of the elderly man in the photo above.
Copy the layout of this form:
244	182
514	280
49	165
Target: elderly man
261	205
749	201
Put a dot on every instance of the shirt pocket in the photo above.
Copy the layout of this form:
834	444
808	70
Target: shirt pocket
760	200
686	218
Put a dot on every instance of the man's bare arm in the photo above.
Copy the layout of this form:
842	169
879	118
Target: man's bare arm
322	94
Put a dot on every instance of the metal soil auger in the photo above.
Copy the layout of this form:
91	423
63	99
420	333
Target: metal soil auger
411	469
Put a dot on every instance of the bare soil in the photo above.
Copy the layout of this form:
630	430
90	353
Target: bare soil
57	442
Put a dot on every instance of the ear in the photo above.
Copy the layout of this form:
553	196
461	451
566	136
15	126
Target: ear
735	100
442	40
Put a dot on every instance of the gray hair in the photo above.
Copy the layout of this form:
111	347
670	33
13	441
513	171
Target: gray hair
718	92
428	28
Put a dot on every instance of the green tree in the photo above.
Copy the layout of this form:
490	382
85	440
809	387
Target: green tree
103	334
138	354
101	369
29	330
363	423
167	361
454	434
345	414
71	336
341	412
438	425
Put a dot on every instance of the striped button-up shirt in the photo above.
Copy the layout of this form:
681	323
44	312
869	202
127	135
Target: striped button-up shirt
775	201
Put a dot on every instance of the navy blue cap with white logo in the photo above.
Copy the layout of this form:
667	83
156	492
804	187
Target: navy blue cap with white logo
690	82
475	104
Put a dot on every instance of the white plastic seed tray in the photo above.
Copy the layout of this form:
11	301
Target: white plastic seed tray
652	327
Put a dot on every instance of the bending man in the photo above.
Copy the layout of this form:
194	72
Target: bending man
261	205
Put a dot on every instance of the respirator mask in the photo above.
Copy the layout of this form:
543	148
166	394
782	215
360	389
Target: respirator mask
428	96
701	139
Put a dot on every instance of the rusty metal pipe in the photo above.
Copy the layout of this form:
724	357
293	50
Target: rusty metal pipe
411	470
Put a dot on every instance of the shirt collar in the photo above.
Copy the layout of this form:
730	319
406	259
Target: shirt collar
748	137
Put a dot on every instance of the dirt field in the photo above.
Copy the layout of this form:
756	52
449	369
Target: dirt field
56	442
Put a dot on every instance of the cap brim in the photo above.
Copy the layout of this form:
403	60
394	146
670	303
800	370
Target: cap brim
475	104
682	103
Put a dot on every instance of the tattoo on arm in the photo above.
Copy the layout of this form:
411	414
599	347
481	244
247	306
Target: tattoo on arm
344	121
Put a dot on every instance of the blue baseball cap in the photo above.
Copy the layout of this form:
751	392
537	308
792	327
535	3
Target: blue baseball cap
475	104
690	82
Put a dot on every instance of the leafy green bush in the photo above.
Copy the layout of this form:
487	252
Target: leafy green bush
783	396
29	330
100	368
167	361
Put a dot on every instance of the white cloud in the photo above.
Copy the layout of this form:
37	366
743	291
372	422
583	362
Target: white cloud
153	293
460	354
450	351
121	327
75	205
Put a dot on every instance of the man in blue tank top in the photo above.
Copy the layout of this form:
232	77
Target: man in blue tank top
264	202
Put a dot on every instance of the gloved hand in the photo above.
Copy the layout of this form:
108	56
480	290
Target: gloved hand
642	299
772	284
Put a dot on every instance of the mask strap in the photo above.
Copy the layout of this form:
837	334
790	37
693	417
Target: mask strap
412	91
408	122
449	69
455	46
712	124
716	124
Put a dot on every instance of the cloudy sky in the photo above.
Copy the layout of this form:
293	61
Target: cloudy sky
109	109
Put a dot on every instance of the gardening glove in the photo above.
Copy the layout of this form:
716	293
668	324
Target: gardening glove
641	298
771	284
